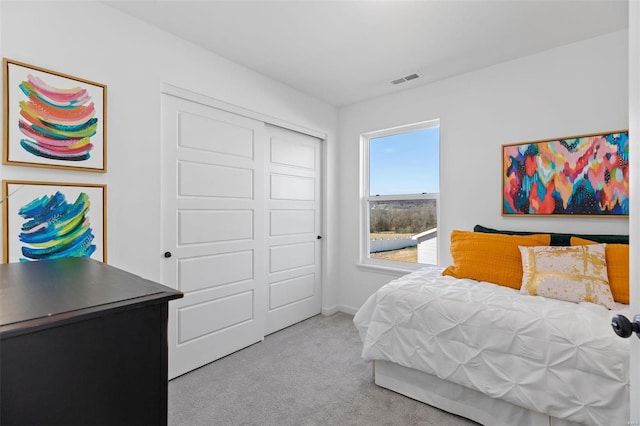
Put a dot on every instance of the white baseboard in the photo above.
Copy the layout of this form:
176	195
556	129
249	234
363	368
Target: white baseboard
330	310
339	308
348	309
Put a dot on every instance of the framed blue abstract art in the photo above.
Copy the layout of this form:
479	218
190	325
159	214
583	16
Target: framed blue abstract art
45	220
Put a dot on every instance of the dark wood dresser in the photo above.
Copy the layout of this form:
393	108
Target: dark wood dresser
82	343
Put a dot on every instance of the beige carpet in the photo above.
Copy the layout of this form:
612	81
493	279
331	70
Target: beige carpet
308	374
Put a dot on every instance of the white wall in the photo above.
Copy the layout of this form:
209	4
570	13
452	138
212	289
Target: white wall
634	220
93	41
576	89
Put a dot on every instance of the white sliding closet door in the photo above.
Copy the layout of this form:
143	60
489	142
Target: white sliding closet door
213	231
294	207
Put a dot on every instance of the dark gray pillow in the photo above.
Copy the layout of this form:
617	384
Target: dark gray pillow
559	239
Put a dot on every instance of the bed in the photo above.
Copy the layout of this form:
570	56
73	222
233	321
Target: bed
491	354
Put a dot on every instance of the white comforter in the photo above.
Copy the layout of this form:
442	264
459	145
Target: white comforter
550	356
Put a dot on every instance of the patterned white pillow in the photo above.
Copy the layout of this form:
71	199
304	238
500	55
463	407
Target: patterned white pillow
574	273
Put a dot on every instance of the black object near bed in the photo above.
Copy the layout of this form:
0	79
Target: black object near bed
82	343
560	239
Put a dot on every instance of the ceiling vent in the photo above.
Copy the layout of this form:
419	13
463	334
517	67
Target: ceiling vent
405	78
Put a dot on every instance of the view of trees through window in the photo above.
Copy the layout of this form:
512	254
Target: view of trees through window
402	217
403	194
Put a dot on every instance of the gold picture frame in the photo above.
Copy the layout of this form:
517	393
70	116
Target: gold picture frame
50	220
52	119
584	175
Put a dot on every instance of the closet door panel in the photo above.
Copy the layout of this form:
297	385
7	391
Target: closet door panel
294	208
214	230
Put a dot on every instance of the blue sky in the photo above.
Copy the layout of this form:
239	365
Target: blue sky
406	163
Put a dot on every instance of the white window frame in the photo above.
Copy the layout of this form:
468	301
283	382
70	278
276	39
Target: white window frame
367	262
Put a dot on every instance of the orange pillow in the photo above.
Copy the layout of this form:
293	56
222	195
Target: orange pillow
617	256
494	258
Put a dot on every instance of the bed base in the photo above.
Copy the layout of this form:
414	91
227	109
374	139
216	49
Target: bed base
458	399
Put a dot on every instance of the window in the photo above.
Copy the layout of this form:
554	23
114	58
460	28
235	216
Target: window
400	194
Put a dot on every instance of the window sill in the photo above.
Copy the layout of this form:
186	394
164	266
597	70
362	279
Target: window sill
391	268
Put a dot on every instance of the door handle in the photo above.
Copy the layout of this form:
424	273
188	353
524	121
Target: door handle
625	328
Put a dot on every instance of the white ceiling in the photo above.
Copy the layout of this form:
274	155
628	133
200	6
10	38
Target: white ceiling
346	51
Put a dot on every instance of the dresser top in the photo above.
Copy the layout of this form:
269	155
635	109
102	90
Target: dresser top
39	294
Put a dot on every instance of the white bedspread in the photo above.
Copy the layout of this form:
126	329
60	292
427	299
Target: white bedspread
550	356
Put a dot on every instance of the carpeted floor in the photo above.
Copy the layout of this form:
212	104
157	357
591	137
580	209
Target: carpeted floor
308	374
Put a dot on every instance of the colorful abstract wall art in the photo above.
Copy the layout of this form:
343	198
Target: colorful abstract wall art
52	119
53	220
579	175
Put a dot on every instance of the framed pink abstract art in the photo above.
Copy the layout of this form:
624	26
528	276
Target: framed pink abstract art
53	119
585	175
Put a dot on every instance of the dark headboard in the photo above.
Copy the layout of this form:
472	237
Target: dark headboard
558	239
